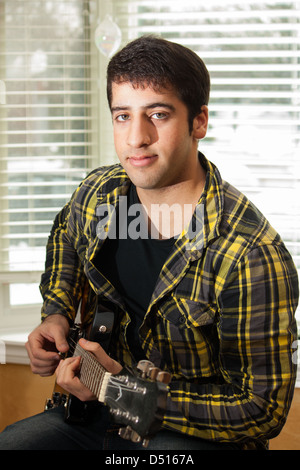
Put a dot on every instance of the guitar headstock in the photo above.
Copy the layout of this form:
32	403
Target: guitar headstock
138	401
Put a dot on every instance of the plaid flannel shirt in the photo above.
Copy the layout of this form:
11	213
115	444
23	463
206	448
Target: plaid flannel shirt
221	318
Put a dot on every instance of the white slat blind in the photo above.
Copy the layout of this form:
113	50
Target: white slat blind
45	123
252	50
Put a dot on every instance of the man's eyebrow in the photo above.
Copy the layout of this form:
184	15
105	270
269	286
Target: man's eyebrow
160	105
116	109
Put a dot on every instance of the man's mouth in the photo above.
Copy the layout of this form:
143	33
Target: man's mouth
142	160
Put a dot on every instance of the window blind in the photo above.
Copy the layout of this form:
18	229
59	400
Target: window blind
45	122
252	51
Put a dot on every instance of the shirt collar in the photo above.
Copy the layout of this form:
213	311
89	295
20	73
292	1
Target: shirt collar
114	182
206	220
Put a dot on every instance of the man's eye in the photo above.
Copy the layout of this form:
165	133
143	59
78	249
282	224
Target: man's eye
122	117
159	115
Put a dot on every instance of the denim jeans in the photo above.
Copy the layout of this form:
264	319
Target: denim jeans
49	431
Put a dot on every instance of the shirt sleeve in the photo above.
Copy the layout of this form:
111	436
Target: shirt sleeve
63	280
257	333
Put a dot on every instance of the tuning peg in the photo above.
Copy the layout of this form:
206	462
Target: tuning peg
153	372
145	442
164	377
125	433
130	435
135	437
144	366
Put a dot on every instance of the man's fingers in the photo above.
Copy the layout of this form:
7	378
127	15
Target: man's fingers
92	346
67	379
44	343
69	367
61	344
66	373
36	352
106	361
45	364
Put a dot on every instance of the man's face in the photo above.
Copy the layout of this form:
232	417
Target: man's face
152	137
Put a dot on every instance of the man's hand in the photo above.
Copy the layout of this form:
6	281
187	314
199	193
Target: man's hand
44	343
66	372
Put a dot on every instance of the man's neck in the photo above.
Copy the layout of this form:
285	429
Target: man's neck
170	209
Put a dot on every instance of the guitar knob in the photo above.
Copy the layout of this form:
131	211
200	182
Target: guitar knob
56	398
143	366
64	399
48	404
164	377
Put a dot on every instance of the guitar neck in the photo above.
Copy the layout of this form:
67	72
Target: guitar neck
137	402
92	374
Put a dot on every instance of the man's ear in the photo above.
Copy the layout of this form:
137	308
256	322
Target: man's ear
200	124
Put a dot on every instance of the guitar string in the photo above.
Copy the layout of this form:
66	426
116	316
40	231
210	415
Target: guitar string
91	371
91	366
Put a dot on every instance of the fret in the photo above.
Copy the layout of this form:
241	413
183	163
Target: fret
92	373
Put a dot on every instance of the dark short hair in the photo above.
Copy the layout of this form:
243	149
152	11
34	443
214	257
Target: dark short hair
156	62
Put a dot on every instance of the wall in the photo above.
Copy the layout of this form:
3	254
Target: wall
22	393
289	438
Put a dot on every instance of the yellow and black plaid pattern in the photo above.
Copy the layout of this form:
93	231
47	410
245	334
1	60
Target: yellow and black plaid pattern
221	318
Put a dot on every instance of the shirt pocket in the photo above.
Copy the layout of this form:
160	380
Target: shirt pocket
190	313
189	336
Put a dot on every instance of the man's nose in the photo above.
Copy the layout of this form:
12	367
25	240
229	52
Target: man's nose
141	132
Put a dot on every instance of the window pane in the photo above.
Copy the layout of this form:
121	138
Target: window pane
24	294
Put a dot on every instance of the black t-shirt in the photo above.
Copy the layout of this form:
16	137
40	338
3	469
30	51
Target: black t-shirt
132	266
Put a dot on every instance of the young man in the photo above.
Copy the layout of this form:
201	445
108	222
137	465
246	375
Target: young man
208	296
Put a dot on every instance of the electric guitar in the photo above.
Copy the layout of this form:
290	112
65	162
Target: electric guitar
137	399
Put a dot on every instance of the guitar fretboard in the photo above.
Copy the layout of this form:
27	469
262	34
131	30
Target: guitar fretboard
92	373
